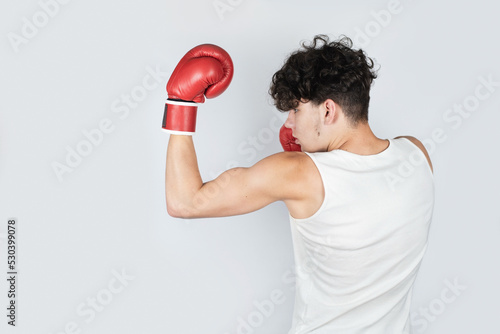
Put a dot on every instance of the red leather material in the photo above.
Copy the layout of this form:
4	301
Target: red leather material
287	140
205	71
180	118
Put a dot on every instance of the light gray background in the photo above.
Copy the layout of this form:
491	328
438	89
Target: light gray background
203	276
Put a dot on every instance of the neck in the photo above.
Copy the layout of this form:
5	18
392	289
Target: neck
359	140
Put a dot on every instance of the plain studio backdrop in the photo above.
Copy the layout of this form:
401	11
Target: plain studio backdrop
82	159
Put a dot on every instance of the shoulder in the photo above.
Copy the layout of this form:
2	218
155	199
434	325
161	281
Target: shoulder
298	180
294	172
288	160
421	146
288	165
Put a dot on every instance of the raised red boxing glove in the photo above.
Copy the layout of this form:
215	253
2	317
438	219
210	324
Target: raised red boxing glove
287	140
205	71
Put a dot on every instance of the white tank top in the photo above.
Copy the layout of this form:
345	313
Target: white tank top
357	257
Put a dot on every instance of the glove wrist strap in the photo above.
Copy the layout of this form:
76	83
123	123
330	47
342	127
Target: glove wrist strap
180	117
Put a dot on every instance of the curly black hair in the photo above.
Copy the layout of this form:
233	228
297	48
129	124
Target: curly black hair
326	70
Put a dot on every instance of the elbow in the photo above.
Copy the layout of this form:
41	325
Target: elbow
172	212
173	206
177	210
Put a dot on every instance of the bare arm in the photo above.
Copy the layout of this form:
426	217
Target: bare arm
182	175
237	190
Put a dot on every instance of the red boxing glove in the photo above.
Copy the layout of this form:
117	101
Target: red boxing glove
205	71
288	140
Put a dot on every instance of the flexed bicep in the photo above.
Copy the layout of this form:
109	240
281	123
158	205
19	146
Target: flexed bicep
243	190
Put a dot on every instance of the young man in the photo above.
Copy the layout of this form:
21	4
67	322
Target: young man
359	225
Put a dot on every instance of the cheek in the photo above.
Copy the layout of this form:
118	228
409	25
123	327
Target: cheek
305	125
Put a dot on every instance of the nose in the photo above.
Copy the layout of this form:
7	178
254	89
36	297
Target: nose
290	121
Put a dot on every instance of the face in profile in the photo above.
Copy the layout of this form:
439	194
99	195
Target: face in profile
306	123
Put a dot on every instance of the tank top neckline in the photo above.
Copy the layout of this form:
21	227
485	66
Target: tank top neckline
368	156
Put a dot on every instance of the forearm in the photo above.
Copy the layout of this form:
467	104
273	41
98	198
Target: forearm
182	175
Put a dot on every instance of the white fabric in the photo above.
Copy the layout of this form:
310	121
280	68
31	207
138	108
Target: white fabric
182	103
357	257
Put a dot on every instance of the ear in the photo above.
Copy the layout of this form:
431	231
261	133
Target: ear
331	110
